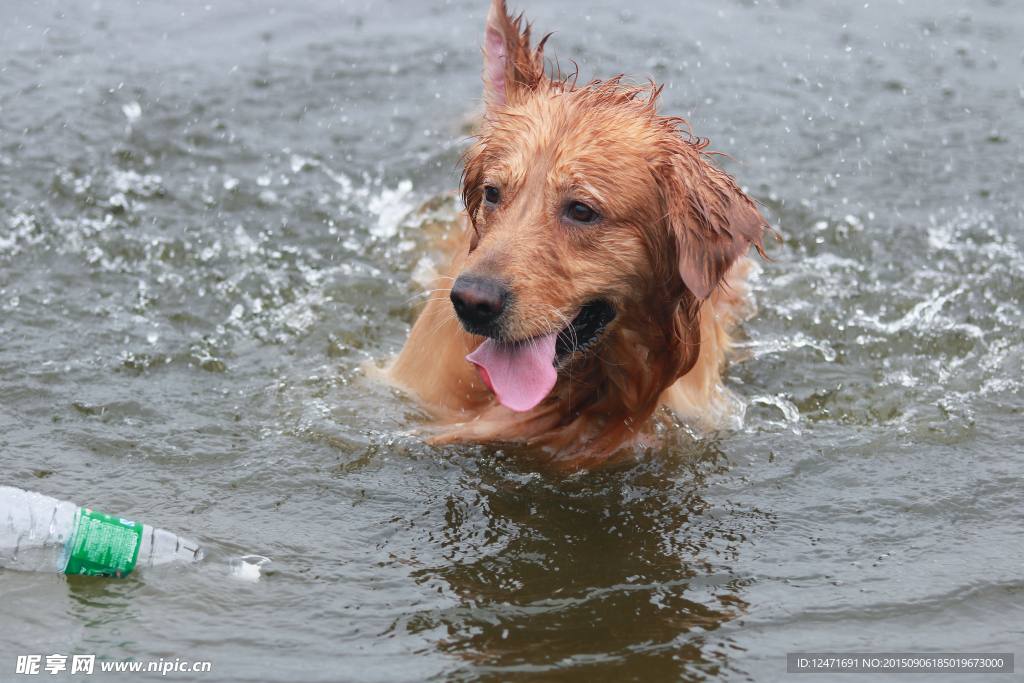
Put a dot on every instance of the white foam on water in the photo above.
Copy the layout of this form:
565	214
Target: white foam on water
390	207
789	410
132	182
761	347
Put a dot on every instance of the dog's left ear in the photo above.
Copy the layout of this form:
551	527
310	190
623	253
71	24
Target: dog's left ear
511	67
712	221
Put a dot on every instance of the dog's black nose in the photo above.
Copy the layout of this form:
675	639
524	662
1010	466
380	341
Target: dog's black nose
478	301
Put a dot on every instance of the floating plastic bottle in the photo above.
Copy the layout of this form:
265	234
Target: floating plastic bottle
43	534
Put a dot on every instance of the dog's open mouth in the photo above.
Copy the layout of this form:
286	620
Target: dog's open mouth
522	373
584	330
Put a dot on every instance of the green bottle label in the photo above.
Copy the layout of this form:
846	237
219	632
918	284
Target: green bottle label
104	545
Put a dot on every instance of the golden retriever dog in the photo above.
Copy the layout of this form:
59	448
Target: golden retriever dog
602	264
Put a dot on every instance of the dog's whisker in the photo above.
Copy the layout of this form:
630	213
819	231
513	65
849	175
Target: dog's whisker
414	297
429	294
443	322
443	310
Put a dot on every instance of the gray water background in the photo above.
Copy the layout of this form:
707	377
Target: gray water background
208	226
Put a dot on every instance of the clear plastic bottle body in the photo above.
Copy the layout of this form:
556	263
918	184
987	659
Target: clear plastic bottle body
37	533
34	530
160	547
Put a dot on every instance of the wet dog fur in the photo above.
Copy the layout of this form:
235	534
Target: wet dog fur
582	201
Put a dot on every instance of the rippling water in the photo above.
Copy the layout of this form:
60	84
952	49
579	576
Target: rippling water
212	217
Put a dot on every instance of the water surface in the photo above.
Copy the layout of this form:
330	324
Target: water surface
211	219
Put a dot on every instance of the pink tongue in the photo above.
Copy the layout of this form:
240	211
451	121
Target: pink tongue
520	374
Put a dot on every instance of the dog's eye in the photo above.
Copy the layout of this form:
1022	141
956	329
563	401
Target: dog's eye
491	194
579	211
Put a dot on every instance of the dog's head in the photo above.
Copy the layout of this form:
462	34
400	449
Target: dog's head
592	216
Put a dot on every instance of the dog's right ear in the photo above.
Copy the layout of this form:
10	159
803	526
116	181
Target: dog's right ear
511	68
712	220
